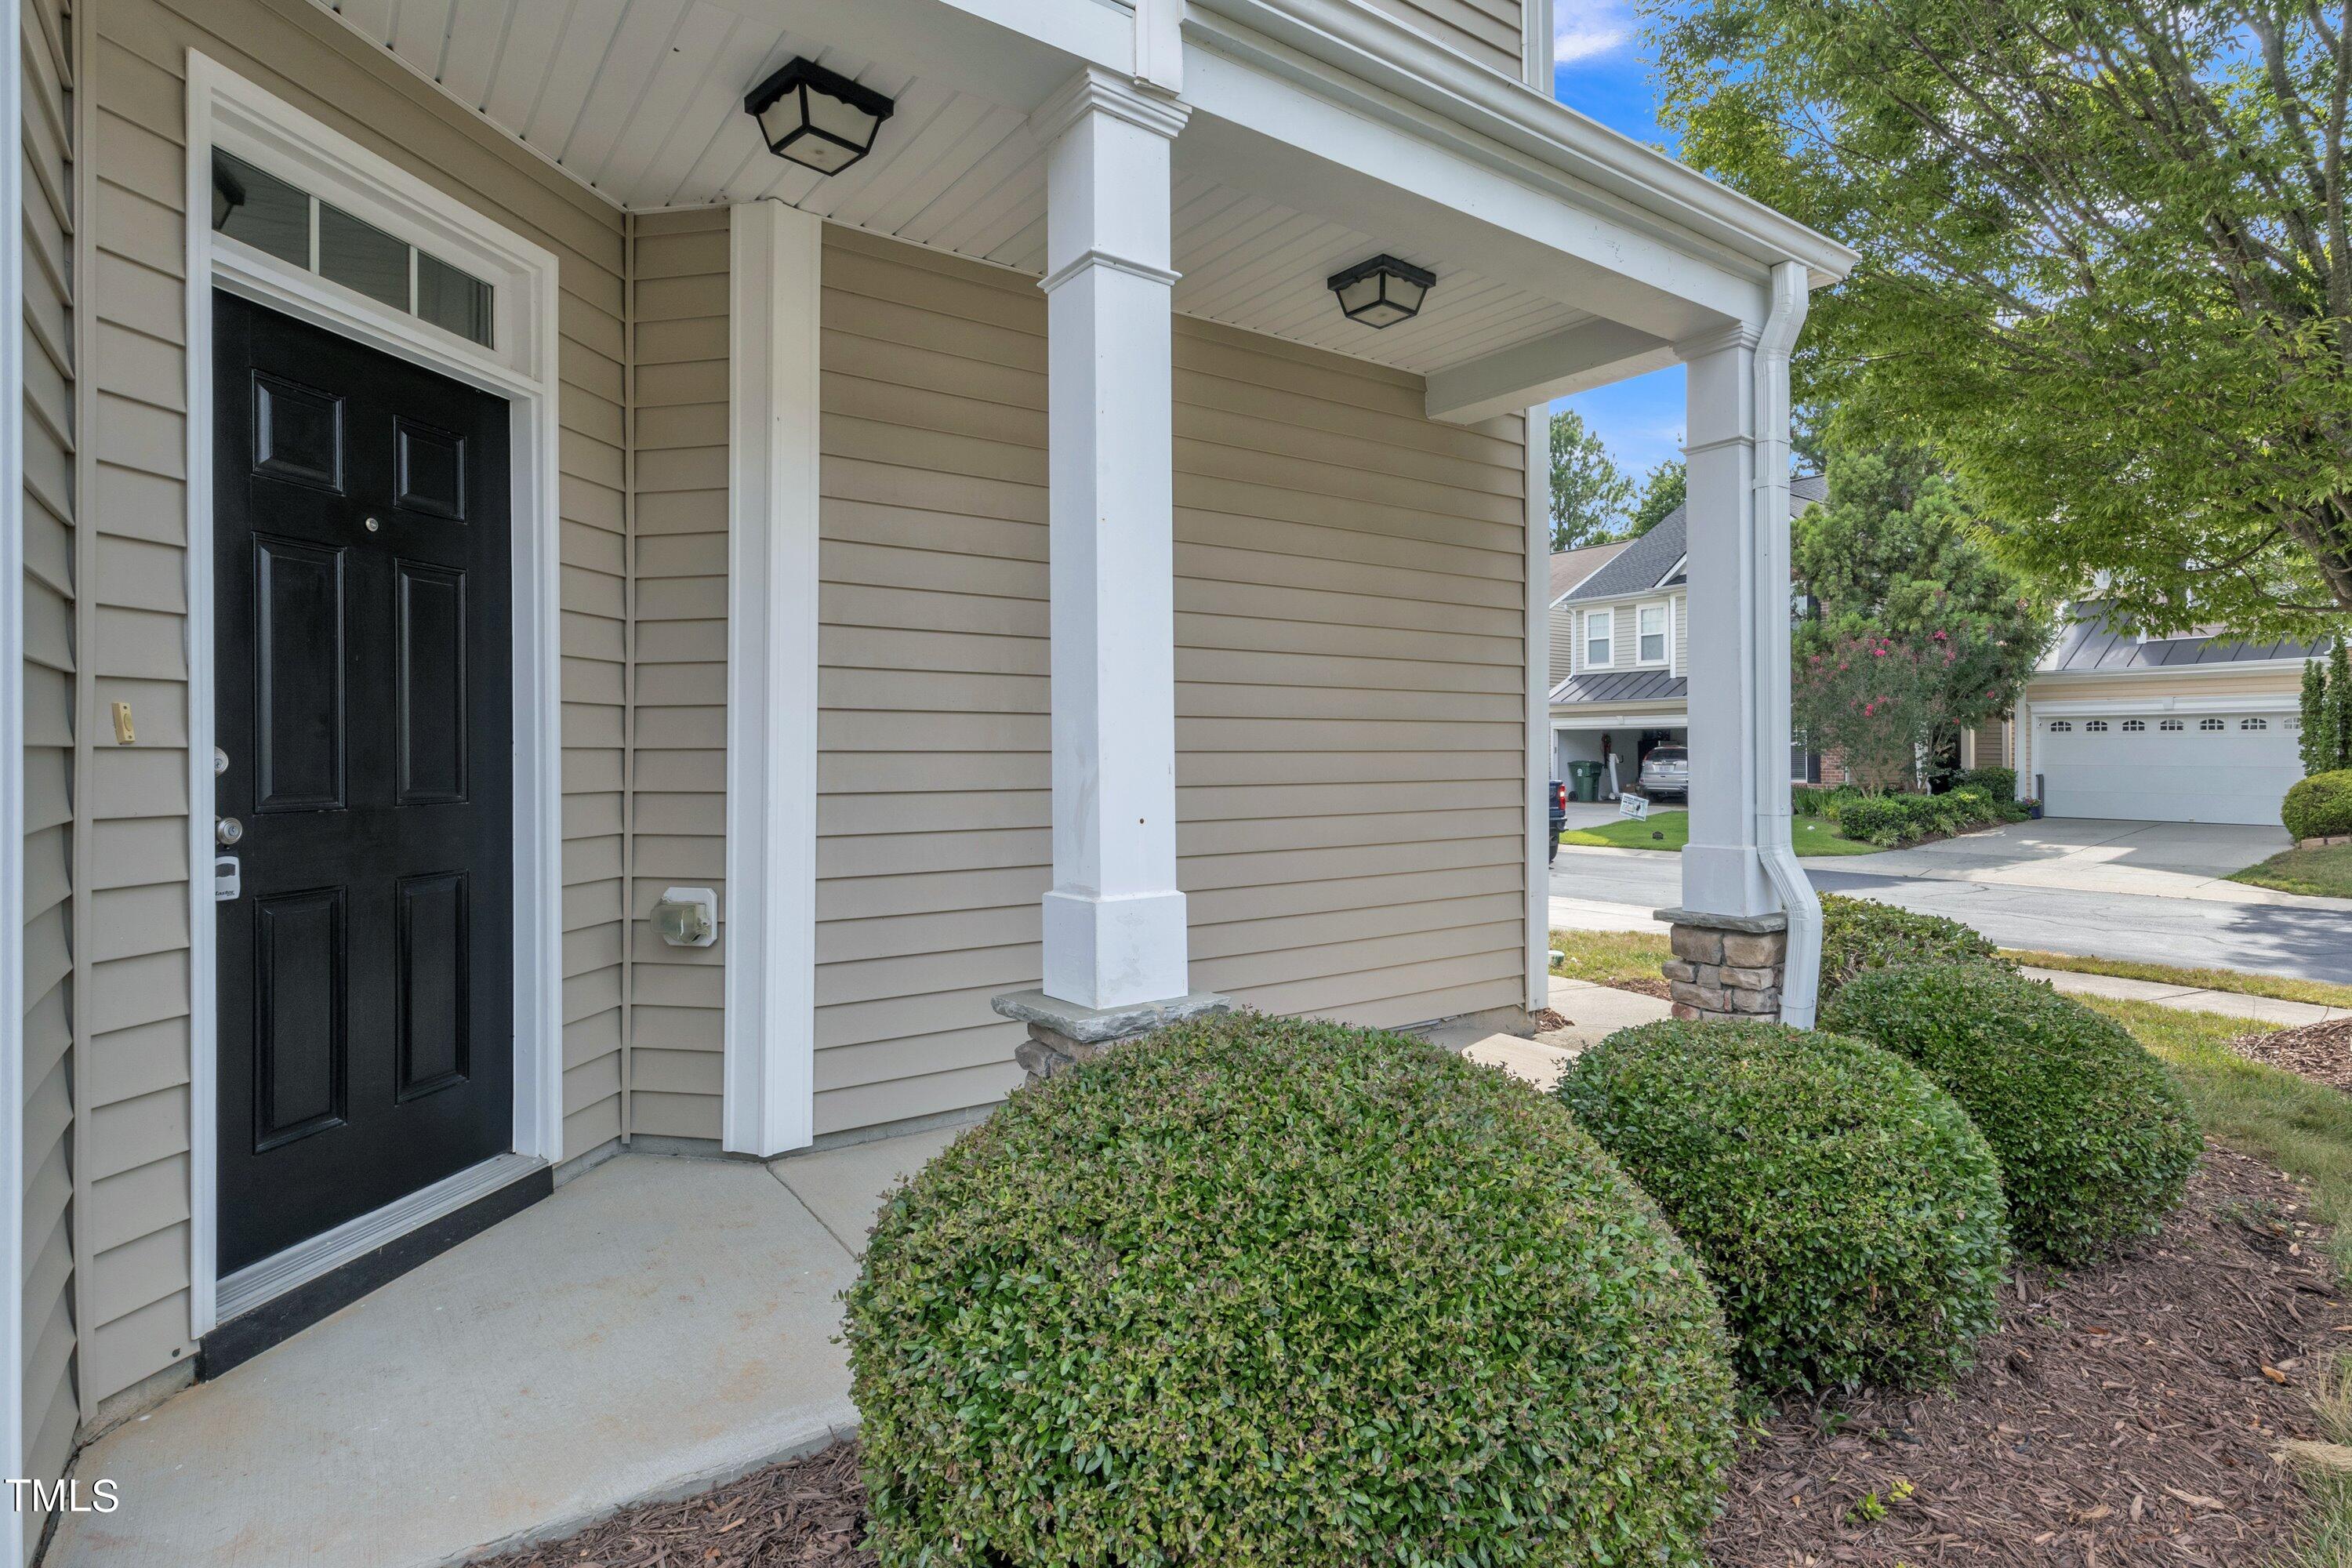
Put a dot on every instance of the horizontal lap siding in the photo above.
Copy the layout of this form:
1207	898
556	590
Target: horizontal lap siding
1352	691
137	1142
1485	30
679	794
934	763
50	1408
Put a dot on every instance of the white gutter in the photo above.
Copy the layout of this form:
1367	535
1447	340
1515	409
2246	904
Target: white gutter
1801	985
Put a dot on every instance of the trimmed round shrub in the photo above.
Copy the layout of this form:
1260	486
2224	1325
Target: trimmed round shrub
2319	807
1858	934
1271	1291
1845	1210
2095	1139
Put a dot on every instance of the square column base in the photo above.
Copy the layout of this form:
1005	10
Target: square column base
1727	966
1063	1034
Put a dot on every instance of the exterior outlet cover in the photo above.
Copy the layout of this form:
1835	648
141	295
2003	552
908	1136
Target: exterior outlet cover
688	917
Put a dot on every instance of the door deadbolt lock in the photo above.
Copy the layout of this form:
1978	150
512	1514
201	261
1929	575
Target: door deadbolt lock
227	830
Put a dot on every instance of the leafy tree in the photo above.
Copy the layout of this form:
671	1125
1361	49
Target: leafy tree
1875	702
2338	720
1589	496
1892	557
2315	742
2104	267
1665	490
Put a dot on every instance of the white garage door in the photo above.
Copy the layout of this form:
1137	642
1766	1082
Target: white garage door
2223	767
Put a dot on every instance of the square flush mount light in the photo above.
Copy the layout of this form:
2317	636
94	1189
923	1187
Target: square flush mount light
1383	291
819	119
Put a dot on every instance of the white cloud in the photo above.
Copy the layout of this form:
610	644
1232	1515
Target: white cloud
1586	29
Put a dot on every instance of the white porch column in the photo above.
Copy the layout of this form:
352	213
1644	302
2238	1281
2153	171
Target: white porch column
1722	872
1114	922
1746	940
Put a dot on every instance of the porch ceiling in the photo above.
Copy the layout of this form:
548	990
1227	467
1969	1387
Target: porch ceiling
642	101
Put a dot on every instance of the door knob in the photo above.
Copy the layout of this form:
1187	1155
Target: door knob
227	830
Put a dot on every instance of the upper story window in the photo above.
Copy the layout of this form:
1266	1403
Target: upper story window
1650	629
1599	639
281	219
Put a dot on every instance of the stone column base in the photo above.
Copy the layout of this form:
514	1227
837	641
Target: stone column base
1727	966
1063	1034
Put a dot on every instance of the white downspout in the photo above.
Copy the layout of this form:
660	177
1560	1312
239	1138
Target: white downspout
1801	985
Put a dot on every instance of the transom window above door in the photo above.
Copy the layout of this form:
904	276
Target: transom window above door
280	218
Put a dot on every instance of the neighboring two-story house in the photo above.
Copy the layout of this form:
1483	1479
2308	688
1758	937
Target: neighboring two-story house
2201	727
1621	648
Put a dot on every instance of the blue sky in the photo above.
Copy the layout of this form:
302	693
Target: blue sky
1602	68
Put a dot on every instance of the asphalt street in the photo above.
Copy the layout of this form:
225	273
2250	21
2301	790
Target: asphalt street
2264	938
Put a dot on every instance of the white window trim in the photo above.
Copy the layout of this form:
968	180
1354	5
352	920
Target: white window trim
1584	648
1665	607
226	110
774	255
12	766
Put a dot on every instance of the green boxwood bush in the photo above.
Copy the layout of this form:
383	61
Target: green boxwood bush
2000	784
1846	1211
1273	1291
2319	807
2095	1139
1858	934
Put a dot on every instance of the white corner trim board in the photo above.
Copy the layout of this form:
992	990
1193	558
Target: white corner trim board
224	110
12	770
769	921
1538	644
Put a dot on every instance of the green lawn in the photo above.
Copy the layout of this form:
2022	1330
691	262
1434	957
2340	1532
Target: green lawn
1606	957
2324	873
2244	984
1670	830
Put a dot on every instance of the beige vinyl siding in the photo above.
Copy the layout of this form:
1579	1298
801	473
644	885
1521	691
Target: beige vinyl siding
136	975
678	708
1350	697
1485	30
51	1408
1563	643
934	761
1682	634
1993	743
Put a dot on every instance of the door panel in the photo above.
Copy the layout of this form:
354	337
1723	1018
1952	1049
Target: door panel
2166	768
363	711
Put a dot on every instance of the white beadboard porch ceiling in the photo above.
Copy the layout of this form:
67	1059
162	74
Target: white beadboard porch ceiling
642	100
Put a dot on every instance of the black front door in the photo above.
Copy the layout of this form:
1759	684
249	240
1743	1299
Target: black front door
365	726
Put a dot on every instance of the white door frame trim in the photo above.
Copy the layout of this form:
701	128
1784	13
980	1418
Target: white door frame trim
226	110
774	298
12	765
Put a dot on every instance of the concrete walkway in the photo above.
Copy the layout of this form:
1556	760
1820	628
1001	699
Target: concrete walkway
2147	859
2190	999
1593	1013
656	1326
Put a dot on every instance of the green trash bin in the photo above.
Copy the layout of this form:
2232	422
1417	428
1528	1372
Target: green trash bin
1584	780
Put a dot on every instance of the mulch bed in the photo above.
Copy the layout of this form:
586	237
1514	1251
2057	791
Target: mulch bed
805	1513
1644	986
2321	1052
2125	1415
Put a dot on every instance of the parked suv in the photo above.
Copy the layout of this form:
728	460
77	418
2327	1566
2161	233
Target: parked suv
1667	771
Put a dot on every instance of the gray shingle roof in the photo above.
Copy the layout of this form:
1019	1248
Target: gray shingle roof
1644	563
1621	686
2090	641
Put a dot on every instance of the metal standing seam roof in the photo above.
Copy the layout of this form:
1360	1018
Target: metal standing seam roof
2093	643
1621	686
1643	565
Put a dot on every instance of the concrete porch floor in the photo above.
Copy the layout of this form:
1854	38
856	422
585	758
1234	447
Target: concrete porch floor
657	1325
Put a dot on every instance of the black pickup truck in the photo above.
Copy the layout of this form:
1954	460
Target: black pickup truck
1558	798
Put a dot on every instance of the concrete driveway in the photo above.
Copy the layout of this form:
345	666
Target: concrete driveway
2154	860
